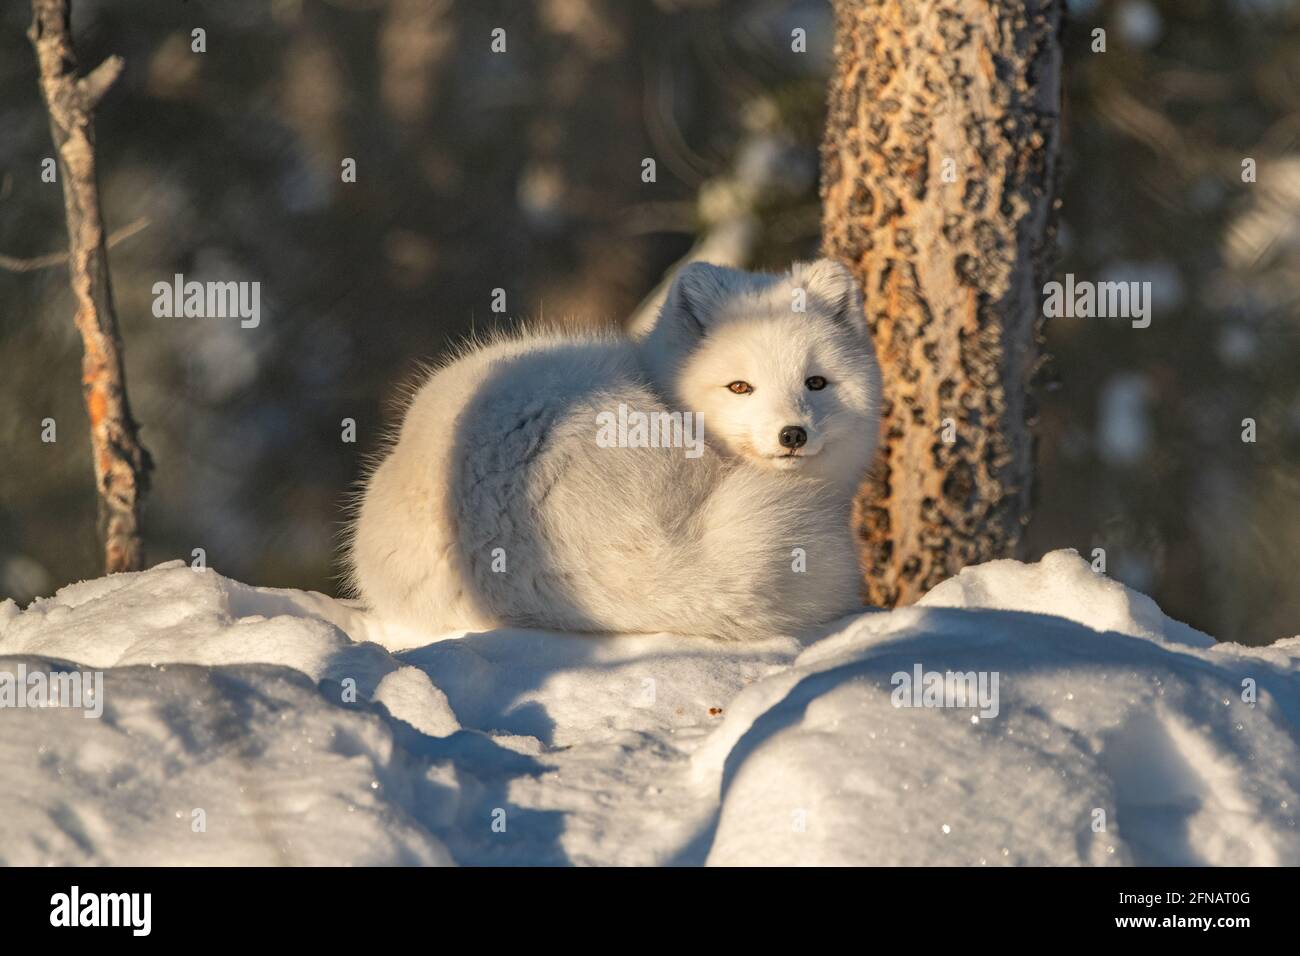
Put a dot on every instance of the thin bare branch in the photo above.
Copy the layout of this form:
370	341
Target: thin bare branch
95	84
122	464
16	264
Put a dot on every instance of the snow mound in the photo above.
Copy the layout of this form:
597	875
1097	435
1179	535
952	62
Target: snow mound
1065	585
247	725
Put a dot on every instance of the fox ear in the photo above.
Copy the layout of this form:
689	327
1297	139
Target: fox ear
696	295
830	284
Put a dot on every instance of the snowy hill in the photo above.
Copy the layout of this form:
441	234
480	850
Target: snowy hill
229	735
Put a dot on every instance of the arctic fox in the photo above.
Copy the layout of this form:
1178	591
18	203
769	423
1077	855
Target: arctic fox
497	504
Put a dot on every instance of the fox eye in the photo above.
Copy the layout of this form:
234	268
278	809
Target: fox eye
741	388
815	383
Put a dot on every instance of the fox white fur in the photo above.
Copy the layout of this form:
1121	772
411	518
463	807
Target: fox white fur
497	505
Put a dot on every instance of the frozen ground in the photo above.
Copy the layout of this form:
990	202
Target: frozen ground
231	707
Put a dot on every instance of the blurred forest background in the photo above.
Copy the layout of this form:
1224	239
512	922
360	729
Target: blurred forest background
522	171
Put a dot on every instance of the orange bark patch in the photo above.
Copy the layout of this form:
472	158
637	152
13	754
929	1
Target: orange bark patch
96	406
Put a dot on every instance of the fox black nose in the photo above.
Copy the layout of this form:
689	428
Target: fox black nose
793	436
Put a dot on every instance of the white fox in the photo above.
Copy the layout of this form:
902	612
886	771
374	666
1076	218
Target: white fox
497	505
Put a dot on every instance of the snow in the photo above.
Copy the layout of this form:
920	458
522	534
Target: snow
247	725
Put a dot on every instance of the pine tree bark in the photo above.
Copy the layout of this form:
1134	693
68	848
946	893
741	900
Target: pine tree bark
938	189
121	462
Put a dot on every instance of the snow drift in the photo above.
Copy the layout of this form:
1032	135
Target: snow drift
246	725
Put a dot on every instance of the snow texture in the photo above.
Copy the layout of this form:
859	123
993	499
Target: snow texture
283	724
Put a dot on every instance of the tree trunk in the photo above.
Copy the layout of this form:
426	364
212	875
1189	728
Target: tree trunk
938	189
121	463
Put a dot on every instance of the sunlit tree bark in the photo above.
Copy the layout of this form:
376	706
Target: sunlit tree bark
938	188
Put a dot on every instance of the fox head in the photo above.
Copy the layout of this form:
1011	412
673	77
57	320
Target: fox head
781	366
